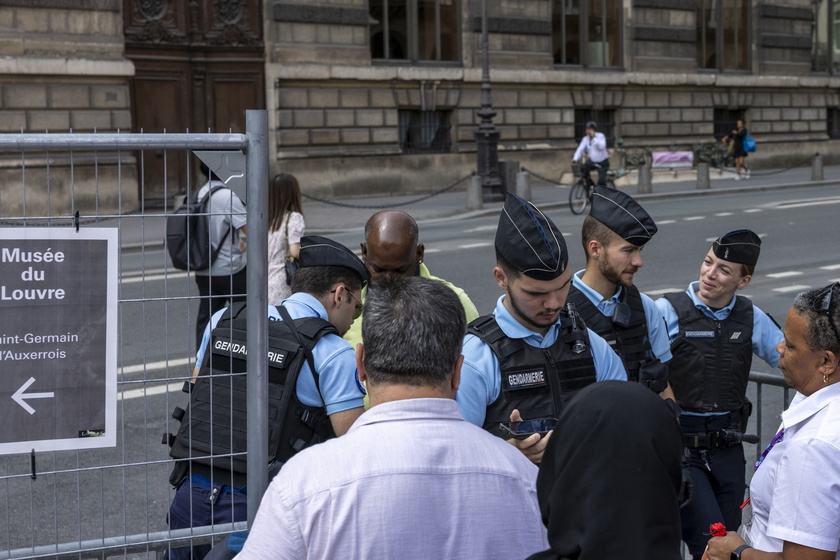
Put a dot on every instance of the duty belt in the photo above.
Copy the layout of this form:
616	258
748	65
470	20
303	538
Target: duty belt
710	440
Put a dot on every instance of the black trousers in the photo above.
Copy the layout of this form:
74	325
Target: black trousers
719	477
603	167
215	292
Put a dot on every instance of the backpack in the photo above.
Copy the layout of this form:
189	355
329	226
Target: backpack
188	234
749	144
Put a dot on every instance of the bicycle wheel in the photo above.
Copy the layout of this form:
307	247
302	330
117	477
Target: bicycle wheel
579	197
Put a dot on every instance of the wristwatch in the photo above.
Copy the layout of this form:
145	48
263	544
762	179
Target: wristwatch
736	554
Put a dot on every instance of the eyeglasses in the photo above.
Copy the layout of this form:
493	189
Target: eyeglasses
359	305
822	304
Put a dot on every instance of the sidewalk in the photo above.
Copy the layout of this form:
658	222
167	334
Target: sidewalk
351	214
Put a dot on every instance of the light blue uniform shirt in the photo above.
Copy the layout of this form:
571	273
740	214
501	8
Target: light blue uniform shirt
657	333
765	337
481	378
334	359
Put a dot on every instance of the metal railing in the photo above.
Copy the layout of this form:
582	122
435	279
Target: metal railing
85	503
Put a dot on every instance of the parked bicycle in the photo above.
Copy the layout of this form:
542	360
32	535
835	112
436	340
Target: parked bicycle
580	195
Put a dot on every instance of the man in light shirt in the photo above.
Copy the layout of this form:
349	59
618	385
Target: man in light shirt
594	144
411	479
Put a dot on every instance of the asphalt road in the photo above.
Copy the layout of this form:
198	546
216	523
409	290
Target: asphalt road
100	498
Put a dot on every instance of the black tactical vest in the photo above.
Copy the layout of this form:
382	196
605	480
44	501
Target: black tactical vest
213	434
537	381
711	360
631	343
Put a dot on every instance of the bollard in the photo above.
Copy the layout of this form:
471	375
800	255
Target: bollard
523	185
817	168
474	194
703	176
644	179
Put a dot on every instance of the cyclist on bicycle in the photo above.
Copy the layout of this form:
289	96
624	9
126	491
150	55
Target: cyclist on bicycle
595	146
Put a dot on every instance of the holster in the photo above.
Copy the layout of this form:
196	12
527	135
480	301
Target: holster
746	411
654	375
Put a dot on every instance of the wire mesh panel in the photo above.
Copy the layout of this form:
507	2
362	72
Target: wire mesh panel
110	501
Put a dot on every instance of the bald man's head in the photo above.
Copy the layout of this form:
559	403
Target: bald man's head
391	247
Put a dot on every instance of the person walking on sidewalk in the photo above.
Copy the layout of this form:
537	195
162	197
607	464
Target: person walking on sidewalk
737	136
285	228
594	144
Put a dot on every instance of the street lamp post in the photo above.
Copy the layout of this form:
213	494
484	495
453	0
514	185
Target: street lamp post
486	136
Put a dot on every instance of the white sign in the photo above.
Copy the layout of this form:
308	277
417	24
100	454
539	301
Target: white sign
58	338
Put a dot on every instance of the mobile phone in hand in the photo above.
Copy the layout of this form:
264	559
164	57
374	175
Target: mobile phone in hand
525	428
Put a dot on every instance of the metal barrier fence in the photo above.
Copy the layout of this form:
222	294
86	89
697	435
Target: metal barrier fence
112	501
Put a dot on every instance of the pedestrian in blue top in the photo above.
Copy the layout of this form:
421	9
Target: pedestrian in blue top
533	353
714	334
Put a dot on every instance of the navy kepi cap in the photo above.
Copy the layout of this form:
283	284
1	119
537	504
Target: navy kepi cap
320	251
529	241
623	215
740	246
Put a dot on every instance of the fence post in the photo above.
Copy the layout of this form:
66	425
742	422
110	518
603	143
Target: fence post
703	176
256	319
817	168
523	185
475	200
644	179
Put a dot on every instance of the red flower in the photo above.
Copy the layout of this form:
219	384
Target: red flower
717	530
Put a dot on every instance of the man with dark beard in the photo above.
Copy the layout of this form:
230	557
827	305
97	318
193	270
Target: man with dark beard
532	354
613	236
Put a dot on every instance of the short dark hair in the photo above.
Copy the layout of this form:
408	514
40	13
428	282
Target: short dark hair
594	229
413	330
819	334
317	281
509	270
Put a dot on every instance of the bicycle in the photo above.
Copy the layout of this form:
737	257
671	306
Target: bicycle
580	195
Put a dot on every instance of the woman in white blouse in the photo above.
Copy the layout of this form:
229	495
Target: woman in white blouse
285	228
795	491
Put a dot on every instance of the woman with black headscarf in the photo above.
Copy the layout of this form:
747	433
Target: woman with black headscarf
610	480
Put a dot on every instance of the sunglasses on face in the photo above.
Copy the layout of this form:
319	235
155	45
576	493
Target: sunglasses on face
359	305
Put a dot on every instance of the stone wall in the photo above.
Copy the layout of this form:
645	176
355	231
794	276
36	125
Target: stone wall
67	73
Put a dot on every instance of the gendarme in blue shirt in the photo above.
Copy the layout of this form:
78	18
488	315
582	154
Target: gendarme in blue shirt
334	359
766	334
657	333
481	379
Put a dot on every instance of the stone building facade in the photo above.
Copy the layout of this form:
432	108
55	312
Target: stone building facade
380	96
62	69
653	72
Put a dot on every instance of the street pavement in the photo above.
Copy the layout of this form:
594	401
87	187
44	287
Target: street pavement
349	214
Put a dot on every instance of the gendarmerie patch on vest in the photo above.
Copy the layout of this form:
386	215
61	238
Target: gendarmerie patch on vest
699	334
524	379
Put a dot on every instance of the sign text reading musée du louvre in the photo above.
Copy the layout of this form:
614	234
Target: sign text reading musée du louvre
57	340
31	274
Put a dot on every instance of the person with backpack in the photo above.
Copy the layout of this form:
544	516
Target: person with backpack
739	152
225	279
305	350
